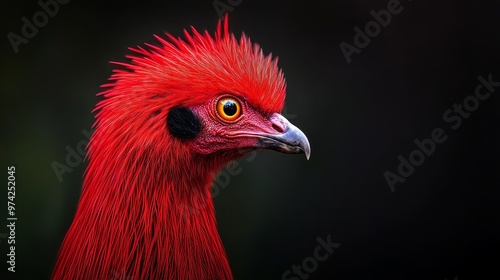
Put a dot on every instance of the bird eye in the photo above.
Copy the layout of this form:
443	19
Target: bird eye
229	109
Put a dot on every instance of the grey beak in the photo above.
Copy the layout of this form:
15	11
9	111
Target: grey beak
291	140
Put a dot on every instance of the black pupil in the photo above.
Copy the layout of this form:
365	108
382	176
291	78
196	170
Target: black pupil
230	108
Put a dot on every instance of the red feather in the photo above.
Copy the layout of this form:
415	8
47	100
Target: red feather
146	211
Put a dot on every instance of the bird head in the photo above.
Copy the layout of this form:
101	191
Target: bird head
170	118
199	97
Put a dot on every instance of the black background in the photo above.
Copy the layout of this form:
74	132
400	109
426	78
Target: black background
441	223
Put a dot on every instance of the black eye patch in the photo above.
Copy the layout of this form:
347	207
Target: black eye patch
183	123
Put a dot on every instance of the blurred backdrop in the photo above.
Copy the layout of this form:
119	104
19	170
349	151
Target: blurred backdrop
362	106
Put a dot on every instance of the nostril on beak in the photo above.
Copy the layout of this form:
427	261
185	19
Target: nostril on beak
278	128
278	124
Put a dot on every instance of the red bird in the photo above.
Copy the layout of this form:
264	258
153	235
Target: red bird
168	122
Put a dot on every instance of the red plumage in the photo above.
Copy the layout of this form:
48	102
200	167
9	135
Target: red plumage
146	211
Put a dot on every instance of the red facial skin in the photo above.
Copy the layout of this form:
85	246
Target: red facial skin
220	135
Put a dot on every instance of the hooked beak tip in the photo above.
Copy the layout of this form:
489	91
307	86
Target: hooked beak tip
308	153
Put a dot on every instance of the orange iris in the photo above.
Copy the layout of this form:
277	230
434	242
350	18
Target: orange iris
228	108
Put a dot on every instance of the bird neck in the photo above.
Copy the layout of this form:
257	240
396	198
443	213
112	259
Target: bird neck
145	220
